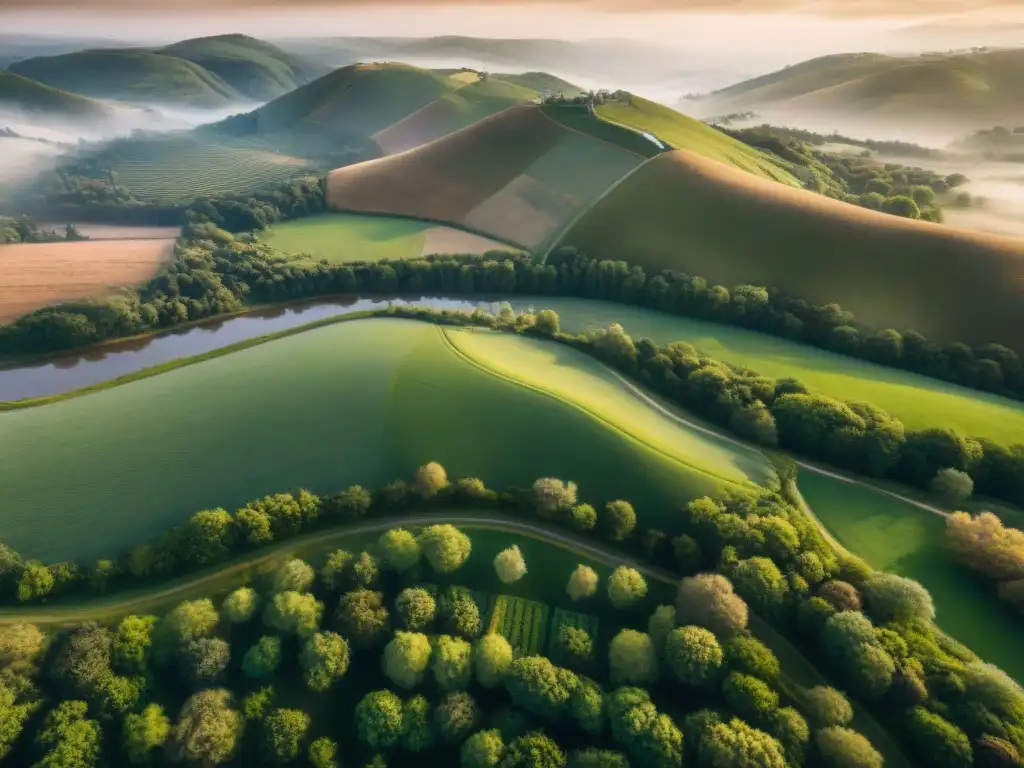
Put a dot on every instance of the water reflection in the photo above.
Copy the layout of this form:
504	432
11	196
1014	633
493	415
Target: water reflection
87	367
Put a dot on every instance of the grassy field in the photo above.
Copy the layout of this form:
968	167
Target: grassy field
904	539
28	96
36	275
578	119
682	211
138	457
918	401
517	175
173	169
682	132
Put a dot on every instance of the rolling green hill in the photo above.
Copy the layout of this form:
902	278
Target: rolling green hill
205	72
682	211
682	132
960	89
255	68
32	98
297	412
540	81
519	176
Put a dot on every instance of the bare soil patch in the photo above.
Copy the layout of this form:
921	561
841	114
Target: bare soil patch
448	240
38	275
115	232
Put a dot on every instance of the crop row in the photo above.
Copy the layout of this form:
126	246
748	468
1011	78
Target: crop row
522	622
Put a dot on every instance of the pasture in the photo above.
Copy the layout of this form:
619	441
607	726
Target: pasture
898	537
297	412
36	275
919	402
343	237
517	175
682	211
170	170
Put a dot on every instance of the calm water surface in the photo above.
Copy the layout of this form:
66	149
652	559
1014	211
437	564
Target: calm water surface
84	368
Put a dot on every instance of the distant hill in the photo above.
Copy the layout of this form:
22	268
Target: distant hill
15	47
394	106
967	89
37	100
203	73
685	212
542	82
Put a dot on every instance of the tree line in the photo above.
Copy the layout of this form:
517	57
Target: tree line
748	551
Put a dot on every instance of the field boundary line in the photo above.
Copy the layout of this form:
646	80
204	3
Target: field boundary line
583	409
593	138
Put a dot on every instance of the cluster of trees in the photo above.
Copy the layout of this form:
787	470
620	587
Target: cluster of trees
23	229
894	188
900	148
988	548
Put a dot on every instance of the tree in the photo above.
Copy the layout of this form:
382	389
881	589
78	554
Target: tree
582	583
708	600
324	660
21	645
68	738
586	706
132	643
417	730
492	657
582	517
143	733
842	748
445	547
430	480
416	608
294	576
208	729
509	565
619	520
895	598
573	648
452	663
550	495
952	485
206	537
323	753
827	707
406	658
256	704
349	505
362	572
204	661
13	715
293	613
626	586
632	659
661	622
693	655
188	621
282	735
83	659
482	750
591	757
538	686
263	658
241	605
791	730
460	614
651	739
841	595
336	570
747	654
760	582
399	549
901	205
750	698
938	741
993	752
456	716
363	618
534	750
379	719
736	745
548	322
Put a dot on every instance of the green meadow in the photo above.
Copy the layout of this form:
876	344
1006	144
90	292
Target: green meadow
918	401
341	237
899	537
358	402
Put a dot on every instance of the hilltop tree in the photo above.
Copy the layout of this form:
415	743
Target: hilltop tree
406	658
625	587
509	565
582	583
324	660
445	547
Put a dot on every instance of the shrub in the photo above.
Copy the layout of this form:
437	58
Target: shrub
952	485
509	565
